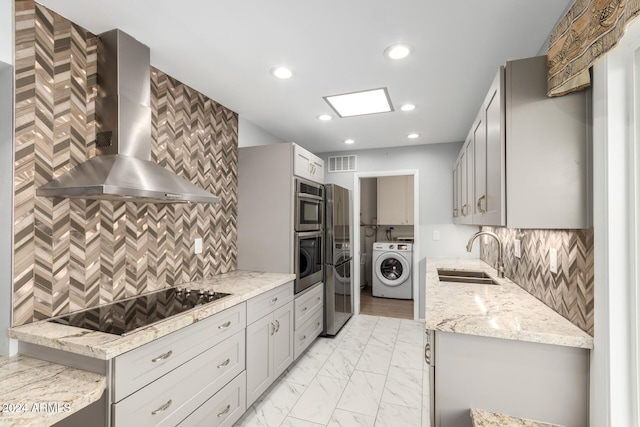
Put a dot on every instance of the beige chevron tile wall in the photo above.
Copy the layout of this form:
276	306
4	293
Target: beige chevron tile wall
74	254
570	291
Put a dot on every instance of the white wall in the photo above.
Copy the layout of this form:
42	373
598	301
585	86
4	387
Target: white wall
435	165
250	134
6	31
7	346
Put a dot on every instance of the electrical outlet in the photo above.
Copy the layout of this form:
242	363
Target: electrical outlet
553	260
197	245
516	248
435	235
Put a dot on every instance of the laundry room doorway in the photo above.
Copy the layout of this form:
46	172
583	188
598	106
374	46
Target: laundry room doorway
386	243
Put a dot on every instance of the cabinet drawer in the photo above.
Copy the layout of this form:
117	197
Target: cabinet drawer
304	336
224	408
266	303
171	398
137	368
307	303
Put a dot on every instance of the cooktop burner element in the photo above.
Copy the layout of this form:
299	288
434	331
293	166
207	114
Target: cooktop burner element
123	317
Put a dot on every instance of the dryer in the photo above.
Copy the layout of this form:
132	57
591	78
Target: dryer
392	270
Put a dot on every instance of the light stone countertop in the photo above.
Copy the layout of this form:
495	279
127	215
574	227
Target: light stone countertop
492	419
38	393
500	311
243	285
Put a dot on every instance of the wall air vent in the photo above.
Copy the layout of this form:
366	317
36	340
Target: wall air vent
342	163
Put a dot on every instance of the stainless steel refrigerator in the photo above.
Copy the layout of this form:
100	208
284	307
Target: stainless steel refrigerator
338	304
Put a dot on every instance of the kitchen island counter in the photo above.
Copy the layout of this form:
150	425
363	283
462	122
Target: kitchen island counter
503	311
242	285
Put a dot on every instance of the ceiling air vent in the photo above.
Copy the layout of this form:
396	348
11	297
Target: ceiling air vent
342	163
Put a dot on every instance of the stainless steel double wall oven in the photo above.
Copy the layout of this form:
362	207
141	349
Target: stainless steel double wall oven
309	234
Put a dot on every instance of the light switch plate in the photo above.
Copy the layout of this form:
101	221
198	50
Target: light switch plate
435	235
516	248
553	260
197	245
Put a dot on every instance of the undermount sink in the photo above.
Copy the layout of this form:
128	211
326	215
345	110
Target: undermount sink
465	276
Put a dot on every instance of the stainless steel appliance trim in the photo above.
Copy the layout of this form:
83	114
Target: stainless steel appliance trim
300	284
310	199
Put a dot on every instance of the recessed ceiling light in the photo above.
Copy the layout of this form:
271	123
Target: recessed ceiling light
360	103
324	117
349	141
408	107
398	51
282	73
413	135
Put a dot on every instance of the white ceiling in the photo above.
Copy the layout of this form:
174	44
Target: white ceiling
225	50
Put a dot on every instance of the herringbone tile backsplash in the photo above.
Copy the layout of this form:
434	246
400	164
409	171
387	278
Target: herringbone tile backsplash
74	254
570	291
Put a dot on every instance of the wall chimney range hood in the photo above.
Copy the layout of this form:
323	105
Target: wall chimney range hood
122	170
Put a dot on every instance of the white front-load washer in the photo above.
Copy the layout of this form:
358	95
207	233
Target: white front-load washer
392	270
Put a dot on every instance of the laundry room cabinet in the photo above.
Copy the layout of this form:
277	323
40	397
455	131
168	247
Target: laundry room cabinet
269	339
395	200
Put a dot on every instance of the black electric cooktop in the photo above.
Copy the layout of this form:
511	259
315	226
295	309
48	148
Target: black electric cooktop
123	317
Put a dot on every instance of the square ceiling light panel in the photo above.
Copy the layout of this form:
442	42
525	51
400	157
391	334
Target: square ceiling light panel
361	103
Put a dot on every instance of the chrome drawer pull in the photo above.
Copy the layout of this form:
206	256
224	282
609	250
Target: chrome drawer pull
225	325
302	338
162	356
273	300
304	309
318	325
225	412
223	364
319	299
277	326
162	408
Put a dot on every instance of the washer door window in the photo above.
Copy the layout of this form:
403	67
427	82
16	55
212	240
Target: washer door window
392	269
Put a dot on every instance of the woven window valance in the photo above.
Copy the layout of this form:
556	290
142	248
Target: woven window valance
588	30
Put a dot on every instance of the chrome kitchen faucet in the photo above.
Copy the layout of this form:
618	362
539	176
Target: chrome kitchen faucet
500	266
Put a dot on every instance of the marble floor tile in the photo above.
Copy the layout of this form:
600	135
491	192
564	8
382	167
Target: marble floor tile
341	363
375	358
371	374
390	415
408	355
273	406
342	418
403	387
319	400
363	392
295	422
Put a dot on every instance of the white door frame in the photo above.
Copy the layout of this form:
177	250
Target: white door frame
415	278
615	362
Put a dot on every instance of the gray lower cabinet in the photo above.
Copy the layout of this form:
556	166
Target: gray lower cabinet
269	339
542	382
309	315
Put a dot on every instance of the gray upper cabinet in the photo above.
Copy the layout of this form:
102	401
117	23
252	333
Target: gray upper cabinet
529	154
548	151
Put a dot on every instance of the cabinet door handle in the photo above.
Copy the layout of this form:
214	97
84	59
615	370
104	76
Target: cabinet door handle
271	301
162	356
225	325
319	299
304	309
455	213
223	364
464	209
480	204
302	338
318	325
225	412
162	408
427	353
273	328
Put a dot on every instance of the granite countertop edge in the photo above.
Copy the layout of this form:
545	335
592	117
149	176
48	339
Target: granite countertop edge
502	311
39	393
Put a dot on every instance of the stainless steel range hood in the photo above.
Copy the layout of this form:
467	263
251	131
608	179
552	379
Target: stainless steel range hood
123	169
